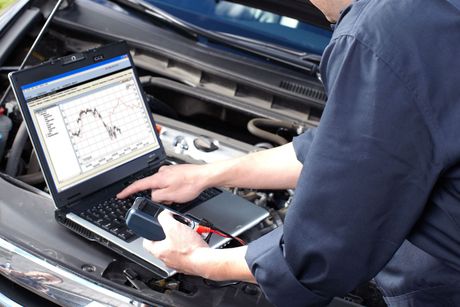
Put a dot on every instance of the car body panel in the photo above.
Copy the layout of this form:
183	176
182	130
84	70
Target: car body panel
288	94
203	73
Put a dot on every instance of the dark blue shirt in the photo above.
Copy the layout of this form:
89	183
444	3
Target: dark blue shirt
383	165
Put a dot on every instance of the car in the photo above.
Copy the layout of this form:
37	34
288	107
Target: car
223	78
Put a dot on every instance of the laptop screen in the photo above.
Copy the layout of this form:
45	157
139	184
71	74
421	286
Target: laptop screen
90	120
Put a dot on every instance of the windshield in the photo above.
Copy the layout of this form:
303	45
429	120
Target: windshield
237	19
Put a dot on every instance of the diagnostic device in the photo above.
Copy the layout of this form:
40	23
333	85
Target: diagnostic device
142	218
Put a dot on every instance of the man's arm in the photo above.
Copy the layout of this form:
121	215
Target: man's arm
276	168
365	182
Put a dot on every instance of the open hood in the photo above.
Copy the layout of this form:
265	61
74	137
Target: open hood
299	9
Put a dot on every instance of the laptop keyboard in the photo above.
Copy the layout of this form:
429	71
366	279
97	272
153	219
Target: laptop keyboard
110	214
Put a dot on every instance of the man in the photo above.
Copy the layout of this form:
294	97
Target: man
378	183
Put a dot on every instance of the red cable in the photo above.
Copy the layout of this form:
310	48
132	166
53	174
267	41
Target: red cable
203	229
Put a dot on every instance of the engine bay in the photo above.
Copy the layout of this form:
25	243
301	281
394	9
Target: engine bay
203	114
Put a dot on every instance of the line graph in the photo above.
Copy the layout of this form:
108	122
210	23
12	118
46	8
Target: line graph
111	130
107	122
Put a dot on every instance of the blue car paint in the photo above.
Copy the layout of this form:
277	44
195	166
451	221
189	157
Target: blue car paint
228	17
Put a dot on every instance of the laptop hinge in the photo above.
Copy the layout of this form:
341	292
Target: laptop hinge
74	199
153	160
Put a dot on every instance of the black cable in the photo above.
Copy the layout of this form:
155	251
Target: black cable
34	45
240	241
220	284
218	231
19	142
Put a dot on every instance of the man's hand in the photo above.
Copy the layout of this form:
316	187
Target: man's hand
177	250
185	251
276	168
173	183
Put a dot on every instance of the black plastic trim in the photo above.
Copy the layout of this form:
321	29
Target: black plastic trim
92	18
16	32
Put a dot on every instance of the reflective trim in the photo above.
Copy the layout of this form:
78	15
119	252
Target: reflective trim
54	283
5	301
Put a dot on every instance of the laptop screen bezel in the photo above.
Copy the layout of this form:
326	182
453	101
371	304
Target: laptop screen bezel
56	67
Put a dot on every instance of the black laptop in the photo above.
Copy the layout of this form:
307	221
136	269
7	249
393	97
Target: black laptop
93	132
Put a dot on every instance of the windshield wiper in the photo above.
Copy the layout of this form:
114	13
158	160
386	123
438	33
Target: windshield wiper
301	60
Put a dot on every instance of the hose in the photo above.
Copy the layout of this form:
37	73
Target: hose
33	178
16	150
156	105
272	137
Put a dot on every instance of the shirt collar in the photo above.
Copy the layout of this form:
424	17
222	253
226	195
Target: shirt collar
342	14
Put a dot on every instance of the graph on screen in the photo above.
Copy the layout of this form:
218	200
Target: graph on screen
106	124
112	130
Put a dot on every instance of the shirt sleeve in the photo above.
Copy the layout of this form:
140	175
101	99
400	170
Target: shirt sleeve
302	143
366	178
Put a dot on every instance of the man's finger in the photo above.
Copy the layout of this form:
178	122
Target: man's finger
140	185
153	247
166	219
161	195
148	245
162	168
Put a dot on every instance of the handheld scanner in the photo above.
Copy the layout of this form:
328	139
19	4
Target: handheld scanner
142	218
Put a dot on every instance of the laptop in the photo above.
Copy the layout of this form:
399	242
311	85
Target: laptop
94	134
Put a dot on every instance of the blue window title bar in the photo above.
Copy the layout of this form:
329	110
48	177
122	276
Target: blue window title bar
72	72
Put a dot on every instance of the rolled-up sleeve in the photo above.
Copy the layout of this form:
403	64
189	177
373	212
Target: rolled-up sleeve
368	172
